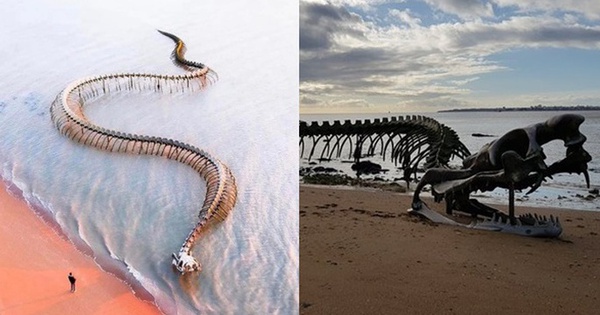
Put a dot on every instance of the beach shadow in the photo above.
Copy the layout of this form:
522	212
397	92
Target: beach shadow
189	283
191	286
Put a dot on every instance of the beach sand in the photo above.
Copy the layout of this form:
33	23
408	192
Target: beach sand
35	262
360	253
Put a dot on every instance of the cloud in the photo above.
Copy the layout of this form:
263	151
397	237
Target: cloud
464	81
322	24
345	103
307	101
363	4
588	8
396	65
519	32
406	17
349	103
465	9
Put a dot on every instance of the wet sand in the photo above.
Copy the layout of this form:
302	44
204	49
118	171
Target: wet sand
35	262
360	253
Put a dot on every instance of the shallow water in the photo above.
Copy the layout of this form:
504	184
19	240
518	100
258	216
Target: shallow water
134	211
564	190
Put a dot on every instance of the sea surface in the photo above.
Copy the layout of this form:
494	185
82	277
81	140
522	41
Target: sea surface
130	211
564	190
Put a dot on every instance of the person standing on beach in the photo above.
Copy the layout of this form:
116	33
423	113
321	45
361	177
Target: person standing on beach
72	281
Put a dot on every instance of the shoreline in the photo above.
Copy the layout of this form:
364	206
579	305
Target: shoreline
491	200
362	253
36	259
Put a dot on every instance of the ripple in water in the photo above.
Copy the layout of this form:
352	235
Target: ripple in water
134	211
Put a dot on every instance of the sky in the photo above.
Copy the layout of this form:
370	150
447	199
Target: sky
428	55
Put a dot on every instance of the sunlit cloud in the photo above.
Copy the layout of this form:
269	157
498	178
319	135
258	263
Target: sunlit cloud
466	9
409	59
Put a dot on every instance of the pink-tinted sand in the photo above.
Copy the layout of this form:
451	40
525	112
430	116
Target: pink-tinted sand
35	262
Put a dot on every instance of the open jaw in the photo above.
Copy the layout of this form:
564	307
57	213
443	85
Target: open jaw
515	161
526	225
185	263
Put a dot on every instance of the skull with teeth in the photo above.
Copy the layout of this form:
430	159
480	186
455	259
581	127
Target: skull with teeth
184	262
514	161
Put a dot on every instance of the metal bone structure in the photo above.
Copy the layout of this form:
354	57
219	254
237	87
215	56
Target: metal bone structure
514	161
67	115
406	141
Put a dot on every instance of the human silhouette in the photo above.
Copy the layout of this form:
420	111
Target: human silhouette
72	281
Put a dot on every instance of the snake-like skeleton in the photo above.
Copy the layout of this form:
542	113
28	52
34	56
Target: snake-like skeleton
67	115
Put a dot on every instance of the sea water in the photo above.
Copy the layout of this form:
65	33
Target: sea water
563	190
131	211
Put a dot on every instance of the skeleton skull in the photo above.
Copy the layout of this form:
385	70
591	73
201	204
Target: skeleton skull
514	161
184	263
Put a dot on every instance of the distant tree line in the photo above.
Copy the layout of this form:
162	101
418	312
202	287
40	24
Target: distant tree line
538	107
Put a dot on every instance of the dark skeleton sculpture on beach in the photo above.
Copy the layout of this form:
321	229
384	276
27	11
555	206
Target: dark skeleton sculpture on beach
67	115
407	141
515	161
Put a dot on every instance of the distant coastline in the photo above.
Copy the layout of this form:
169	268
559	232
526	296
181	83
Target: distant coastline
523	109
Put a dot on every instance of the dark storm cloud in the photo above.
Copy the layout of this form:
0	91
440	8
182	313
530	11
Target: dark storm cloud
321	23
349	64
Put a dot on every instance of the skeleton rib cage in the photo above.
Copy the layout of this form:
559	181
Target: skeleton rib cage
68	117
406	141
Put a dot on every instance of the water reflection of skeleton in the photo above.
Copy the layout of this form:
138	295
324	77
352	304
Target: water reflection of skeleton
515	161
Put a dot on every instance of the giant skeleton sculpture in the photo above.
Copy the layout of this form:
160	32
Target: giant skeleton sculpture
68	117
514	161
407	141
